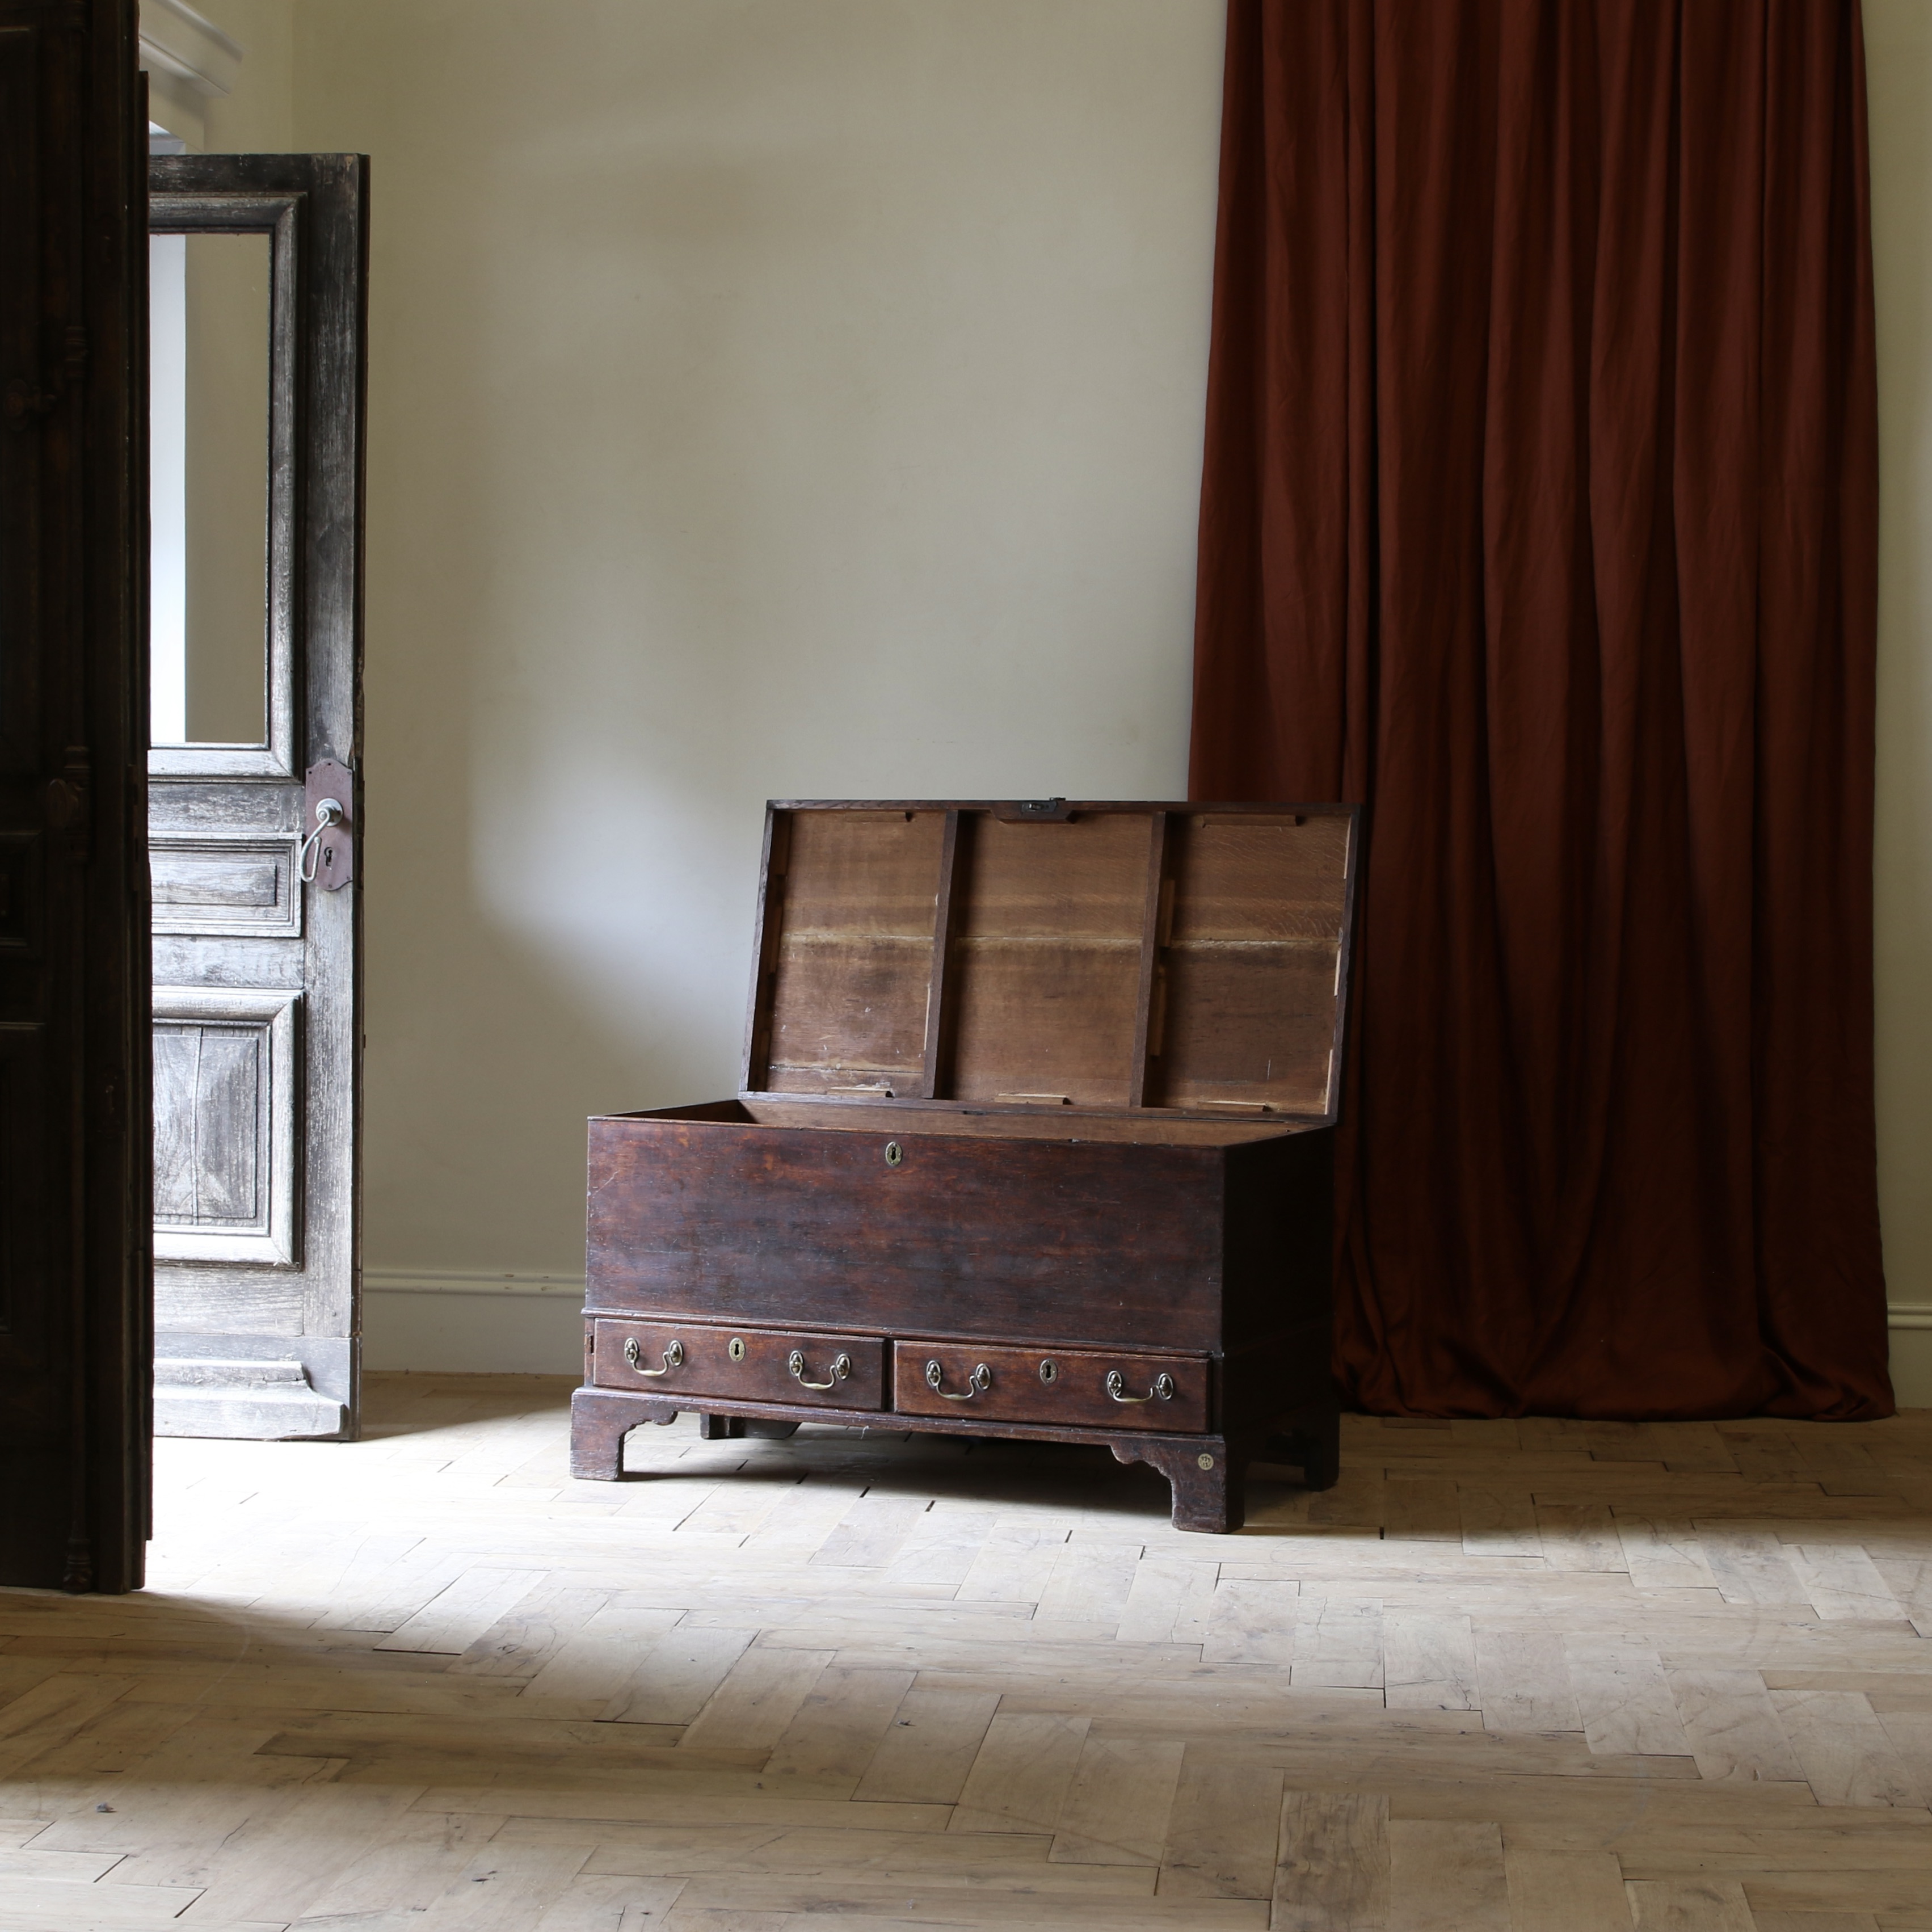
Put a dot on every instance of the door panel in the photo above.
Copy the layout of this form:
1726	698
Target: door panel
74	1209
20	894
257	1029
233	888
23	1231
227	1127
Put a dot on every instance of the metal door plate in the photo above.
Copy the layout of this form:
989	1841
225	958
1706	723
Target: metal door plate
330	862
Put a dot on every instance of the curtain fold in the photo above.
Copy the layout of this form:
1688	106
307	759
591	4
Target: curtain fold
1540	511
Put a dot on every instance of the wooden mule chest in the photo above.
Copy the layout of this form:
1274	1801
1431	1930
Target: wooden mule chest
1034	1140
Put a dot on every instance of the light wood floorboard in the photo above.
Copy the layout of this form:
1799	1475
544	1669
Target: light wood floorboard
1535	1676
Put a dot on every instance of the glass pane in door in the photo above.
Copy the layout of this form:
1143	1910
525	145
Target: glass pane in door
208	333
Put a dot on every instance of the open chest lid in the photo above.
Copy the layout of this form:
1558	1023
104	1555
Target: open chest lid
1040	955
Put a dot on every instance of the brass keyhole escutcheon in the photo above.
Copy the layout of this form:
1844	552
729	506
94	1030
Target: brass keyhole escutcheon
895	1153
1049	1371
736	1349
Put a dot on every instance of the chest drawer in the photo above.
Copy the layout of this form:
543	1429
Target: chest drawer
690	1359
1082	1387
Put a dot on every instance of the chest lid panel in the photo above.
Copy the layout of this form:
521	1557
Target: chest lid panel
1179	958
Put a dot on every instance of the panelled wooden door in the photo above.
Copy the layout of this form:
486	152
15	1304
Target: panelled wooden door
74	974
254	815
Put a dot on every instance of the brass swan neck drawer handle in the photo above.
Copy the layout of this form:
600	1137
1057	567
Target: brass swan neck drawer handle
673	1356
1116	1387
842	1367
980	1380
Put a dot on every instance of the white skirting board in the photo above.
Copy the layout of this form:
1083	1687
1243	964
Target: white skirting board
462	1321
1912	1355
459	1321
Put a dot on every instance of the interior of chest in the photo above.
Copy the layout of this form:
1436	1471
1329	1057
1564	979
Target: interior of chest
1155	965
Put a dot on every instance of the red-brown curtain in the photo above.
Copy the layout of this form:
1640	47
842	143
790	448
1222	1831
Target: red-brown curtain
1540	512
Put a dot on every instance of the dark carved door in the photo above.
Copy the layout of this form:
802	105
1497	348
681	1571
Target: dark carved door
74	1124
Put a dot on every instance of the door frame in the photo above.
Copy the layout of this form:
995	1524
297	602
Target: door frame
75	1338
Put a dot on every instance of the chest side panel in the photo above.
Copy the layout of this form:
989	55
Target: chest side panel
1023	1241
1279	1262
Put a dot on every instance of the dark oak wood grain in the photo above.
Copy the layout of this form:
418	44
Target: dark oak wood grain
1053	1241
851	958
1207	1476
1054	1387
687	1361
1157	909
1027	1083
599	1421
606	1415
936	1073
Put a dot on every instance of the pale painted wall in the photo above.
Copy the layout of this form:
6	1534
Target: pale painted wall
766	399
1898	51
771	398
257	115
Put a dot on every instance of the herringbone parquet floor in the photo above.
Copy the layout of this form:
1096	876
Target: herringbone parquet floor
1508	1677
